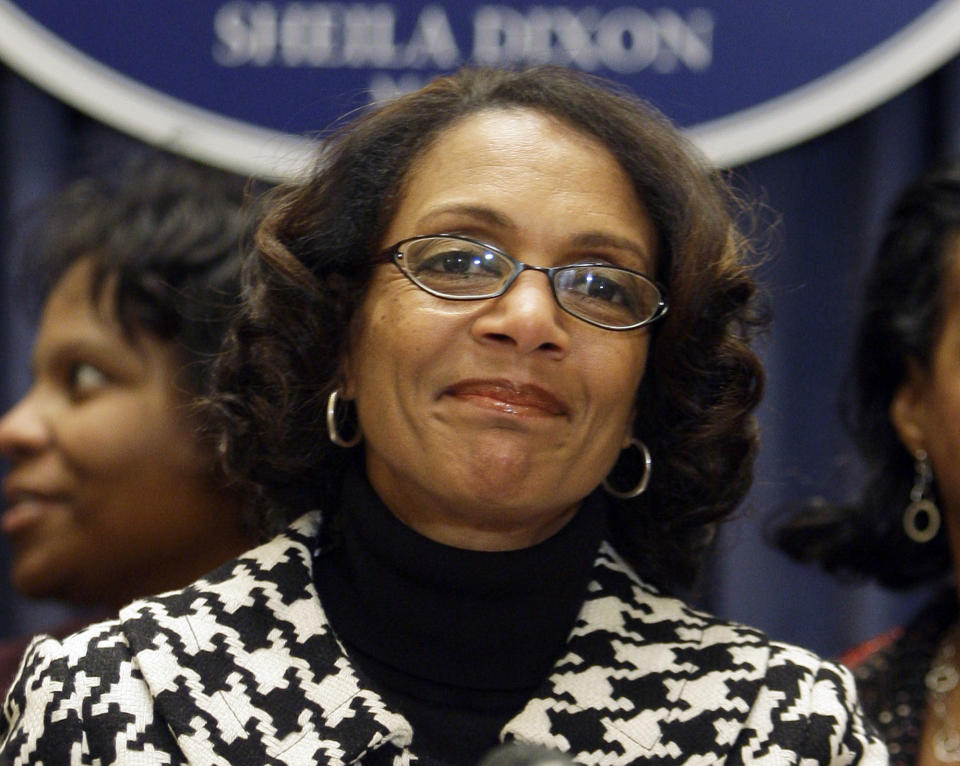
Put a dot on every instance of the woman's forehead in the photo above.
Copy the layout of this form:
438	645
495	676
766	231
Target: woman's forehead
485	165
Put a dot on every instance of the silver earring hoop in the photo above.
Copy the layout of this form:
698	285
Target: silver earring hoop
641	486
332	430
921	518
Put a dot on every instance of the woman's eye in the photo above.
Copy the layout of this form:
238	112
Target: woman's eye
85	379
460	262
602	288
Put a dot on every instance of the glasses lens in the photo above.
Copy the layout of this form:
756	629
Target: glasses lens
455	268
607	295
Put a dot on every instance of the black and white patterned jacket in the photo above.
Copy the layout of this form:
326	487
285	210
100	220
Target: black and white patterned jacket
241	668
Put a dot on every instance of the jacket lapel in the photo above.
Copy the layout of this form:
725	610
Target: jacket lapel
242	666
642	673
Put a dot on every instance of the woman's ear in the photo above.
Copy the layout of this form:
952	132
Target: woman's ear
908	408
348	388
628	434
346	370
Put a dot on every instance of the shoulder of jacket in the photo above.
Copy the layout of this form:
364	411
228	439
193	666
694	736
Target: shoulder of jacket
283	561
85	646
616	579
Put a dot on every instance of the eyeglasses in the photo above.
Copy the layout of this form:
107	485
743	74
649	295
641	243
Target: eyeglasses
462	269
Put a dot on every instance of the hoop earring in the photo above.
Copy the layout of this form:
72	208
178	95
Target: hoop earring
332	431
921	506
644	480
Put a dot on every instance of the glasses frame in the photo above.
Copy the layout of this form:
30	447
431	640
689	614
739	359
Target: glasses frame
395	254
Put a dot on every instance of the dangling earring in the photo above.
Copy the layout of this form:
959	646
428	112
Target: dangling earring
644	480
332	431
921	506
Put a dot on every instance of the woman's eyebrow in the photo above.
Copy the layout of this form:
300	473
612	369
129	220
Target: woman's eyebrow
480	213
492	217
602	239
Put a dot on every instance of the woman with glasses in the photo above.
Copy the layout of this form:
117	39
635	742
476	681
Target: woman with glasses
492	380
904	414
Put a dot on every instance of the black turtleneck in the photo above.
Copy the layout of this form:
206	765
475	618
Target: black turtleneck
456	640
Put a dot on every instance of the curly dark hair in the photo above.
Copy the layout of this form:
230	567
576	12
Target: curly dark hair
315	251
900	322
168	234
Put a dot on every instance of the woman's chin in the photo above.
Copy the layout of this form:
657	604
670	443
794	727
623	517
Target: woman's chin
37	580
491	528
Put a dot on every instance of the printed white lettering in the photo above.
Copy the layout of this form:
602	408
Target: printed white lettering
383	87
368	36
499	36
688	42
623	40
432	42
247	33
232	34
627	40
307	35
503	35
572	32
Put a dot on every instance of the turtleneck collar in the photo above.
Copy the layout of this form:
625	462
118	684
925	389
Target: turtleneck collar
483	621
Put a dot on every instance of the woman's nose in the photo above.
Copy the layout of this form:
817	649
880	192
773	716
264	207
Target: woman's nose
23	430
526	317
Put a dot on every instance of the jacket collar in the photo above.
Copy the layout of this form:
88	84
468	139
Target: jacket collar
644	673
244	662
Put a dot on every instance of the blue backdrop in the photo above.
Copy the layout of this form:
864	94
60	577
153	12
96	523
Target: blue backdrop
696	59
829	193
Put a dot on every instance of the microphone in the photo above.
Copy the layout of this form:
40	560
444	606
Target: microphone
524	754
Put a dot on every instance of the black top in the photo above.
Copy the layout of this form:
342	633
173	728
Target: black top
457	640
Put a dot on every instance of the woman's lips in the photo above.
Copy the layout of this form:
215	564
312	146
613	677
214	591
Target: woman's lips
25	509
508	397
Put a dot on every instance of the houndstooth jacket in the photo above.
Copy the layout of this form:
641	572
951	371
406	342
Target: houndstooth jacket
242	668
